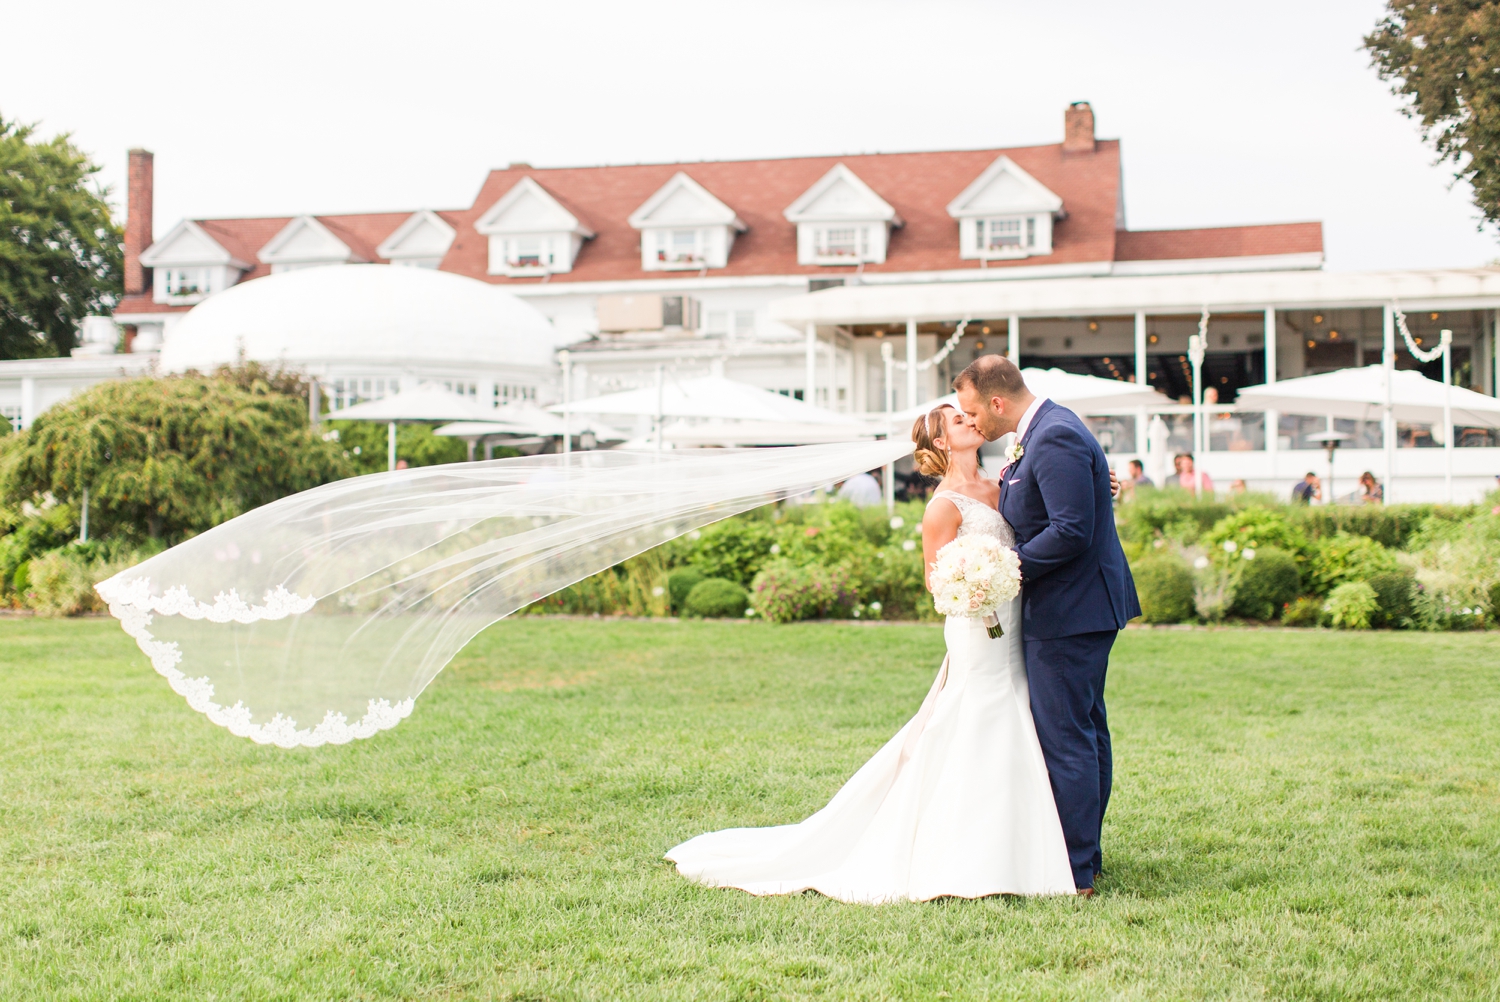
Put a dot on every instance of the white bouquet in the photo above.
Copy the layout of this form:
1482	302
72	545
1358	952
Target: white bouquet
974	576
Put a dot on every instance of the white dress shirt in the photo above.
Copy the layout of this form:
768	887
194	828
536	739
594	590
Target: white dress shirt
1025	422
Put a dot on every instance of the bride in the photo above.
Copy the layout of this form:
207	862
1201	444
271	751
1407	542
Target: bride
958	803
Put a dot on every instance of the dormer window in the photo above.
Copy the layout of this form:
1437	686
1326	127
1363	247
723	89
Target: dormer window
1005	213
187	281
841	242
532	233
840	220
188	265
420	242
1012	236
681	248
684	227
306	242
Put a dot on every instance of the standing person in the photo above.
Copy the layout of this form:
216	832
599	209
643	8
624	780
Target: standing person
958	803
862	490
1309	490
1370	490
1187	474
1076	594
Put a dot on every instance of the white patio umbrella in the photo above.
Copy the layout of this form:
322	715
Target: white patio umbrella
755	433
705	397
1360	394
425	403
1083	394
522	420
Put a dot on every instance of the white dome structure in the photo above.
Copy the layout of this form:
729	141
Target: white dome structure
368	330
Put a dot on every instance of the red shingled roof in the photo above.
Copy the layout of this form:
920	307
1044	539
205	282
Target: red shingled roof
1223	241
244	238
918	185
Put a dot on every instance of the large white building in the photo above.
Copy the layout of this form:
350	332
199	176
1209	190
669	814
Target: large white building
792	274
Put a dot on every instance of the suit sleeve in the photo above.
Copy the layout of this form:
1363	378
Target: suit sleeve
1066	484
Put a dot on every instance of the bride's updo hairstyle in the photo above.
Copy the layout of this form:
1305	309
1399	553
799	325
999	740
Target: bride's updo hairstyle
931	461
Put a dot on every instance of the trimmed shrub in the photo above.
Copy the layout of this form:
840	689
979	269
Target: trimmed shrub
1305	611
1254	528
61	583
680	584
1351	605
1344	559
1165	586
785	593
734	549
1267	583
1391	526
716	598
1395	597
1494	598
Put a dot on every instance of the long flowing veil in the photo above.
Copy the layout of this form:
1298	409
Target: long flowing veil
338	605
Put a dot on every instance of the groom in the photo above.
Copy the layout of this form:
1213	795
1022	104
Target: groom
1076	591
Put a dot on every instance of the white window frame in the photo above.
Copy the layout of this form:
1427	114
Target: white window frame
350	390
198	281
546	253
858	242
667	247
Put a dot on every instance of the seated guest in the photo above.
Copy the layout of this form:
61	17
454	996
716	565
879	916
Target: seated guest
1308	491
862	490
1187	475
1238	487
1370	491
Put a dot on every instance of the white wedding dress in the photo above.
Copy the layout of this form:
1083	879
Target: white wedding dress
956	804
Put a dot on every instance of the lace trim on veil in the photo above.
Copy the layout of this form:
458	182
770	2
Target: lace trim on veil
132	603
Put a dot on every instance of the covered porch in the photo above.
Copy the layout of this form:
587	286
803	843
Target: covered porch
1256	328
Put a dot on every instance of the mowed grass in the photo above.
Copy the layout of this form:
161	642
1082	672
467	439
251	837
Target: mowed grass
1297	815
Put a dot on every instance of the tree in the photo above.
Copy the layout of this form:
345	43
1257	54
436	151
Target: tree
60	257
1444	58
168	458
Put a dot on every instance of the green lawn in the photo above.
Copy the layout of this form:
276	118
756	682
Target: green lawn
1297	815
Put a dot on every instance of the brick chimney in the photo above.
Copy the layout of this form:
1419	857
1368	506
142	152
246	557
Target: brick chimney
1078	128
138	229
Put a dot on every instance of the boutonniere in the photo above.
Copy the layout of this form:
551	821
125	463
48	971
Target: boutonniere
1014	453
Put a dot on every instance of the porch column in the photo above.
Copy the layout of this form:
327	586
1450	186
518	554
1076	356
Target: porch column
833	372
1013	339
1142	378
28	401
1495	353
1142	375
911	363
810	386
1273	418
1388	420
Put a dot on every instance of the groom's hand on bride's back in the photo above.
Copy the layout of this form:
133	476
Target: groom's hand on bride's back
1114	484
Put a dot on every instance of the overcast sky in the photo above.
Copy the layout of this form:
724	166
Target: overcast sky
1228	113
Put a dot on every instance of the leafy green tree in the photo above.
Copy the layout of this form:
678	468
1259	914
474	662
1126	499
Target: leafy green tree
1444	57
168	458
60	256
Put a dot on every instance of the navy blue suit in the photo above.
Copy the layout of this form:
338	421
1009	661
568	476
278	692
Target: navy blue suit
1076	594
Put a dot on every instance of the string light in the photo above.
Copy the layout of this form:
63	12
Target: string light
942	353
1411	342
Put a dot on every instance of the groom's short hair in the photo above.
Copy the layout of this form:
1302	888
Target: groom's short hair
992	376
